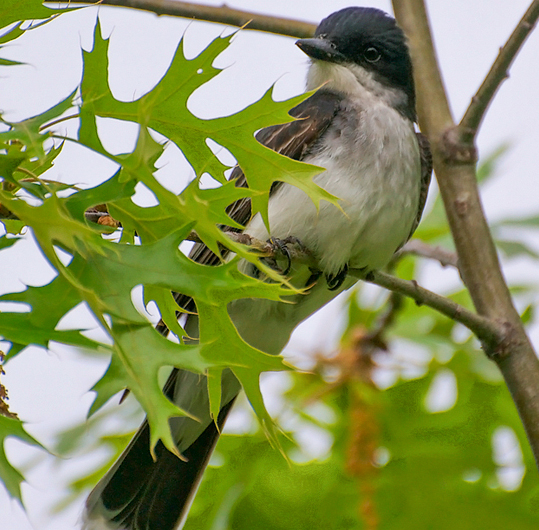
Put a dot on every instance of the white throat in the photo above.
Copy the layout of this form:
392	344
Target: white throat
353	81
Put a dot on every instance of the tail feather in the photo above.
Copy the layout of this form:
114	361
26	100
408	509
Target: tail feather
139	493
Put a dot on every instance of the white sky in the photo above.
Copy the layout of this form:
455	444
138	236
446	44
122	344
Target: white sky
49	389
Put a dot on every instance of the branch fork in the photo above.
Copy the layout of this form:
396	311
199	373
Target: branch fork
511	348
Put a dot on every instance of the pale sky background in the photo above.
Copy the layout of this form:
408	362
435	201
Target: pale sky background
48	389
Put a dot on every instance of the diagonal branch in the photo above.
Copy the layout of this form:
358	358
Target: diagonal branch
471	121
485	329
488	332
222	15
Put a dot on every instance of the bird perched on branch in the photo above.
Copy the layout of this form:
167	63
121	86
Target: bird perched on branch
359	125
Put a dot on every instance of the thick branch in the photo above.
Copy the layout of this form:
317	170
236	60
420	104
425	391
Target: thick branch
221	15
498	73
429	85
454	165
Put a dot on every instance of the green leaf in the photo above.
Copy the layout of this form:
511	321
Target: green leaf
214	392
528	314
10	477
522	222
11	33
433	227
8	62
29	132
13	226
6	242
256	488
488	166
431	452
164	109
16	10
105	274
513	249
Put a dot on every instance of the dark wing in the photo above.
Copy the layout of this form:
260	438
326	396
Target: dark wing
294	140
426	172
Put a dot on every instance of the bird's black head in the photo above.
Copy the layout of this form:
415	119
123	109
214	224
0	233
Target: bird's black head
369	38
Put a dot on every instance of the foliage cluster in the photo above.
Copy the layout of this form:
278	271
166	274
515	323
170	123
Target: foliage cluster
397	460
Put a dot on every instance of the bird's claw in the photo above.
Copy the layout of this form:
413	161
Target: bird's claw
280	246
334	281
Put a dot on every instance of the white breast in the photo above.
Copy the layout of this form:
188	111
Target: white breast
372	164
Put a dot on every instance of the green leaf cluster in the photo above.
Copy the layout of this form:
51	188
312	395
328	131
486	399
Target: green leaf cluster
102	272
394	461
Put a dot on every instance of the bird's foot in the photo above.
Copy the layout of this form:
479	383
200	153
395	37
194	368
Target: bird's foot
334	281
280	248
313	278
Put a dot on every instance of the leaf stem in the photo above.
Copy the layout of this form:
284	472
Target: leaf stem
59	120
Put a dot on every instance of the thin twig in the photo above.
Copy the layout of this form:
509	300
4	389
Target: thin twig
394	304
471	121
220	14
416	247
485	329
59	120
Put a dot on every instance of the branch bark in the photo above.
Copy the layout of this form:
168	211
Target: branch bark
486	330
454	164
222	15
445	257
482	327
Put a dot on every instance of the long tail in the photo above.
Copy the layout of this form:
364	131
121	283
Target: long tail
139	493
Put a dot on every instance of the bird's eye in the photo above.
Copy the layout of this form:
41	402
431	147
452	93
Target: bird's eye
372	55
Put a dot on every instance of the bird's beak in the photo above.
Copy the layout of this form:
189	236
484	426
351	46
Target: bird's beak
320	49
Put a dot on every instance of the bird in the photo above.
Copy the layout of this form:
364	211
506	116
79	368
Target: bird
360	125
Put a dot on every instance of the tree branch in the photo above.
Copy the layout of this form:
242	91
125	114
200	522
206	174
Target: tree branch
471	121
486	330
454	164
221	15
416	247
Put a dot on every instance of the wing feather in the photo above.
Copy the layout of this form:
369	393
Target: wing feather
426	173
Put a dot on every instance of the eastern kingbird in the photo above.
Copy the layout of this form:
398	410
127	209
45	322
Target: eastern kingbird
359	125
